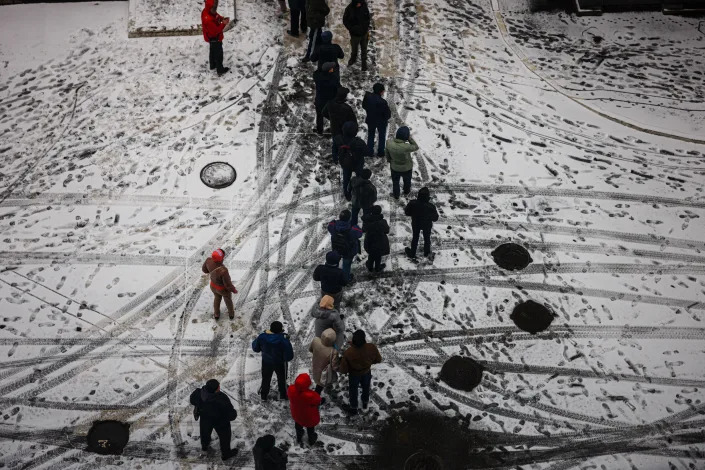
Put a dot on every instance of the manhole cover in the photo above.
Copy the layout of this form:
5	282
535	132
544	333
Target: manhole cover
462	373
108	437
218	175
423	460
531	316
511	256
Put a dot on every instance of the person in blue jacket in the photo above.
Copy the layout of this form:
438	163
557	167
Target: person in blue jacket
276	351
345	239
378	114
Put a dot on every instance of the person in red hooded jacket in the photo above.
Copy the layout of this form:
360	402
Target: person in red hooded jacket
221	285
304	404
213	25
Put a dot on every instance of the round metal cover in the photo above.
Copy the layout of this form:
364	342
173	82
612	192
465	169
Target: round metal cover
511	256
108	437
531	316
462	373
218	175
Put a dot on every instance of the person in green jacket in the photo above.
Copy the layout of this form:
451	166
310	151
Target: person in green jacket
398	153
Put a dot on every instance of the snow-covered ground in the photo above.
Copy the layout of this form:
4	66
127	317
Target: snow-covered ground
589	152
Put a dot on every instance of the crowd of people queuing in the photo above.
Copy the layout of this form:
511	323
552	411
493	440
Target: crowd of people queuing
331	355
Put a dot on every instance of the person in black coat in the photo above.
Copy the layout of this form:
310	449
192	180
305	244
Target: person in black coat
423	214
353	156
356	20
327	83
215	411
376	239
267	456
378	114
331	277
339	112
327	51
297	11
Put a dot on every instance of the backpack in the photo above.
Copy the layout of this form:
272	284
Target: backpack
345	157
367	194
340	244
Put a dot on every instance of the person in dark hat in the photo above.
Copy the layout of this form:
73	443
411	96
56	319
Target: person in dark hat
423	214
215	412
363	193
378	114
327	82
327	51
316	12
356	20
331	277
376	240
276	351
267	456
345	240
357	363
339	112
398	154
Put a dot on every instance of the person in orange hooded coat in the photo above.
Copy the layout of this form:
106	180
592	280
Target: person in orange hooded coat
213	25
304	404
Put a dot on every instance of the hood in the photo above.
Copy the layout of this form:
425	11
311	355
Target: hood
403	133
328	337
266	443
322	313
372	218
342	94
273	338
302	382
209	5
350	128
377	88
206	395
424	195
332	258
326	37
342	225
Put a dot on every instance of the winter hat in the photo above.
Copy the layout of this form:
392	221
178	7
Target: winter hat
358	338
342	93
345	215
333	258
218	255
403	133
266	443
212	386
424	194
326	37
366	174
327	302
276	327
327	66
377	88
376	210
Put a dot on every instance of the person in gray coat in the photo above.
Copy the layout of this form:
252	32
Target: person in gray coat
327	316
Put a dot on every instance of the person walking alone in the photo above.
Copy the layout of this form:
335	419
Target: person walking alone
376	240
215	411
276	352
423	214
398	154
213	26
221	285
357	363
356	20
304	404
378	114
316	12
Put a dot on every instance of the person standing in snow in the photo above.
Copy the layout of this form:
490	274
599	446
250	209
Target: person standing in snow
364	193
215	411
267	456
351	155
345	240
297	13
376	240
304	404
316	12
327	51
378	114
213	25
221	285
398	154
327	316
339	112
276	352
423	214
327	82
357	363
324	362
331	277
356	20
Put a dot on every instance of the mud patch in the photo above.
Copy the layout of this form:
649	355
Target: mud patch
531	316
511	256
218	175
462	373
108	437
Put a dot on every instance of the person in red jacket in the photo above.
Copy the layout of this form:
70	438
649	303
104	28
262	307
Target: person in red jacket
221	285
213	25
304	404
